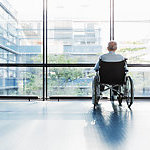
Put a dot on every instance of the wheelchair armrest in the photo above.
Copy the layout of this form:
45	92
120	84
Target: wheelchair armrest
97	72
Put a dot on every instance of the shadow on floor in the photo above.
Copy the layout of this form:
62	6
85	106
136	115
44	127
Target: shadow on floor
112	126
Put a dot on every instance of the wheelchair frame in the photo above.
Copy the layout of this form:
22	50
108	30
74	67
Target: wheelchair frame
125	90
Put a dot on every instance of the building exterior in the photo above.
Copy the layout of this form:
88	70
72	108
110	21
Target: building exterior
21	42
8	48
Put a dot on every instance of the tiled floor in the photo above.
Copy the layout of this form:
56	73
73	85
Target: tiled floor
74	125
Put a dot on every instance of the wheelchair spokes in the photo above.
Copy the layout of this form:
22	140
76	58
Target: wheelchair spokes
129	91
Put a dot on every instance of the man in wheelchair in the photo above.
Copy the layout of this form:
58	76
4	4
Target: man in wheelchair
111	70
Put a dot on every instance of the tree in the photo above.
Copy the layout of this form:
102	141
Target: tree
57	77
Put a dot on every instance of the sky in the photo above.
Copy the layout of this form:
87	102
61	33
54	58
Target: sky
82	9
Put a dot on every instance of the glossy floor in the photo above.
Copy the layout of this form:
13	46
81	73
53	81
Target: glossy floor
74	125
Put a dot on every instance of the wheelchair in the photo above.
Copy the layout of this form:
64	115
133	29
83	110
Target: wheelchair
112	75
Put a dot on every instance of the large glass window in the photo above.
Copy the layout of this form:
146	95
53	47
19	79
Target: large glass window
21	81
77	33
132	32
78	81
21	28
77	30
21	42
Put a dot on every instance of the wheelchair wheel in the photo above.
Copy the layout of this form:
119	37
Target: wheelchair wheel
120	100
129	91
120	97
96	97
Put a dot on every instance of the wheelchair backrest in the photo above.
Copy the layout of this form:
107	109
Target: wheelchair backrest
112	72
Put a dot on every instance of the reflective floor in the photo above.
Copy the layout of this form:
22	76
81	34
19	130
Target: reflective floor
74	125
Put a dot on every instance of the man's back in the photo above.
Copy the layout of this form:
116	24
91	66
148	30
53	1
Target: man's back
109	57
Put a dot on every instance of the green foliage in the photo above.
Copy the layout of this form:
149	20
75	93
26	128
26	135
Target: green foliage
133	42
56	76
33	81
53	58
65	59
66	74
132	49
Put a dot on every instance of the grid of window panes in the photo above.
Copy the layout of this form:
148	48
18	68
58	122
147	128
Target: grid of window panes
20	42
78	81
21	81
73	37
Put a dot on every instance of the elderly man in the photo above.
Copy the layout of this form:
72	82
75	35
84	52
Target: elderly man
111	56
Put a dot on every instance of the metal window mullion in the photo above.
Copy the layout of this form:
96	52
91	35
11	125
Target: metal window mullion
46	50
64	65
111	20
43	50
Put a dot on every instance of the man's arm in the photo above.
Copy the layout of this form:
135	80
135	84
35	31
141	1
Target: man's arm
96	68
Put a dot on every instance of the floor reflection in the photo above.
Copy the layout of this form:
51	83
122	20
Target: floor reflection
73	125
112	124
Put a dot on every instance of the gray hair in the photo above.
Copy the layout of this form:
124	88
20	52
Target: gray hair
112	45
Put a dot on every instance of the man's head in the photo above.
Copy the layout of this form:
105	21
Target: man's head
112	46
